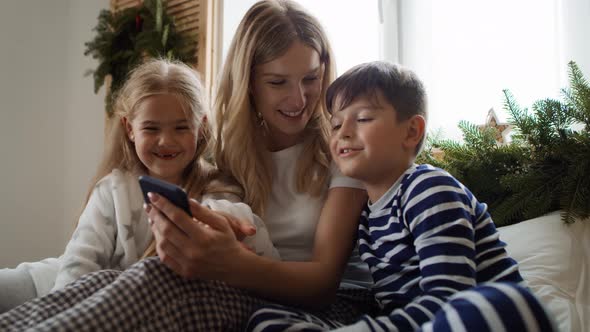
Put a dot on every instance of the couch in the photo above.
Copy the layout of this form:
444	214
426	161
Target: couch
554	259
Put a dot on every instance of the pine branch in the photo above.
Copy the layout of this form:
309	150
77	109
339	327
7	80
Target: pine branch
530	197
477	138
165	35
158	16
580	94
522	121
575	201
545	168
124	39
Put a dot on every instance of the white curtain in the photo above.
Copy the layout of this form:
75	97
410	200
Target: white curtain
574	24
389	30
467	52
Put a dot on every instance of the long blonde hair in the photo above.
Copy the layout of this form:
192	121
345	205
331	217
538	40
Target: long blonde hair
156	77
265	33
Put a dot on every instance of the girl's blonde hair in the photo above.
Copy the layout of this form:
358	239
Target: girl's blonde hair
265	33
159	77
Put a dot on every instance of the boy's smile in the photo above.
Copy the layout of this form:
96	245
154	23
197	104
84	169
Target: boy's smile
344	152
369	143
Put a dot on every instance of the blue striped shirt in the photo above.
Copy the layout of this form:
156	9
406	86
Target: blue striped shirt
426	239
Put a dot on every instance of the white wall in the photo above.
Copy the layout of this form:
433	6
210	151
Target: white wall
576	27
51	124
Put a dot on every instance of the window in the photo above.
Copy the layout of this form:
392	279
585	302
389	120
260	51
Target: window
353	31
467	52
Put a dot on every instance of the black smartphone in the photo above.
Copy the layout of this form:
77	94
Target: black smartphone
172	192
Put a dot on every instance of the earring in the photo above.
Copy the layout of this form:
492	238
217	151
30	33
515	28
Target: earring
261	122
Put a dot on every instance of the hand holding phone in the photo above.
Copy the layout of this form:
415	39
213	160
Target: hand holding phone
172	192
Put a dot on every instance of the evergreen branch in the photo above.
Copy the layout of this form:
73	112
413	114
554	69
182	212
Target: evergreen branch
575	201
159	15
580	96
165	35
530	197
543	133
477	138
545	168
520	118
124	39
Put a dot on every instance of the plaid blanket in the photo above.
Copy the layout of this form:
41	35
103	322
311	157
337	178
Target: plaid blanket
150	297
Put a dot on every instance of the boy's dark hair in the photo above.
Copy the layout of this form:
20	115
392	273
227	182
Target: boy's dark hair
399	86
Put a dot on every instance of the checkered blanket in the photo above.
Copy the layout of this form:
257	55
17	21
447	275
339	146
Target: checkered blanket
150	297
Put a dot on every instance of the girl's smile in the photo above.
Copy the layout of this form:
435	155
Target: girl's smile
165	139
166	156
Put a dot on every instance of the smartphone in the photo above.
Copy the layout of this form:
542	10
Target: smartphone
172	192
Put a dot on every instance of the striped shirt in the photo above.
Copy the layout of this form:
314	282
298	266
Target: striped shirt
424	240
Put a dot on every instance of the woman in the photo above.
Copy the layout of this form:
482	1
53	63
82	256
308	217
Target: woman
272	134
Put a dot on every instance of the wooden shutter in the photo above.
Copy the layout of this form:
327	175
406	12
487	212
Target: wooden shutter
196	18
117	5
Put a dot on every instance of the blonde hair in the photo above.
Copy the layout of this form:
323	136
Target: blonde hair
265	33
158	77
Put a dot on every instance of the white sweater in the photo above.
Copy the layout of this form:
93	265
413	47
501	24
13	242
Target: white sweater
291	219
113	230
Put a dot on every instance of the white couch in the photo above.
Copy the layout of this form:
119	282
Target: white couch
554	259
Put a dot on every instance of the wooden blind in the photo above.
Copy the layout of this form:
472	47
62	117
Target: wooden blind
195	19
117	5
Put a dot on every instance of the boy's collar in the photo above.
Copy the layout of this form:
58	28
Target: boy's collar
386	198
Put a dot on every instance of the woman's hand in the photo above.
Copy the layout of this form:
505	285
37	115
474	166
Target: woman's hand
204	246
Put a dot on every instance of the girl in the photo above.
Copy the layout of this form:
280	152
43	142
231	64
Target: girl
272	133
161	131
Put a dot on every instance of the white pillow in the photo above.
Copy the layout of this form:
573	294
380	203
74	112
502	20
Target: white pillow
554	259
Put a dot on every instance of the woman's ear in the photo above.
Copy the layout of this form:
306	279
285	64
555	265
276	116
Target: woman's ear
416	126
128	129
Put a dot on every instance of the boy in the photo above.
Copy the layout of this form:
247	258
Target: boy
423	234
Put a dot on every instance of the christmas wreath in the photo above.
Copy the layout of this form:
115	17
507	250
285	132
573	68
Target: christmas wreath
126	38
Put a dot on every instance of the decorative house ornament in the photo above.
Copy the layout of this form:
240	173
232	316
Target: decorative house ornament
503	129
